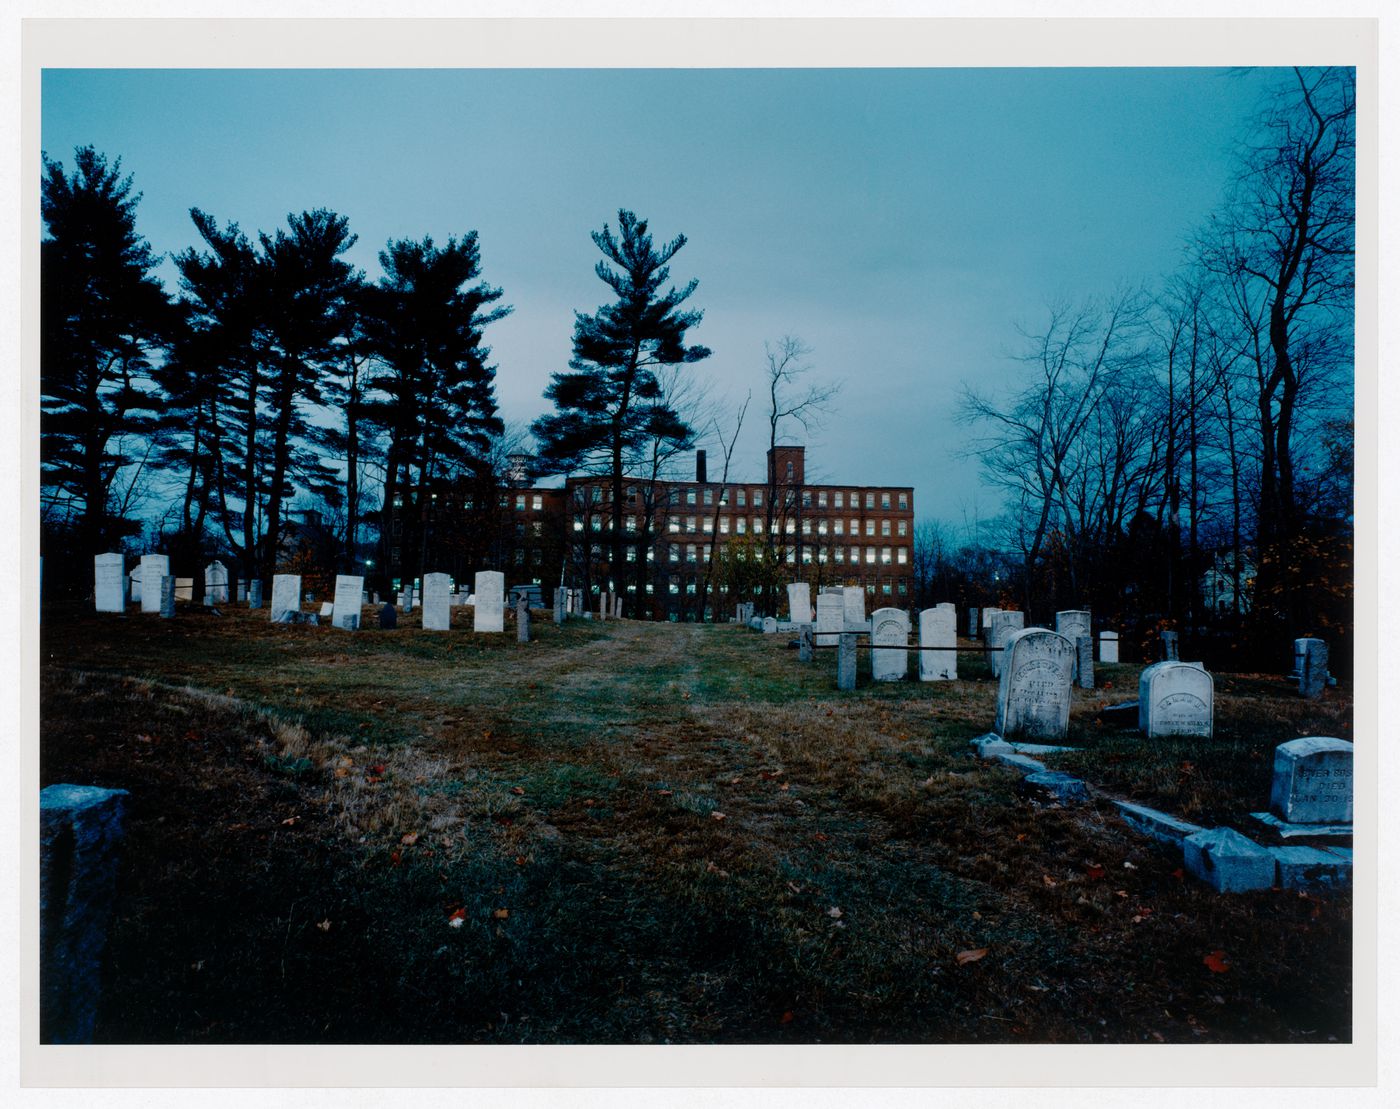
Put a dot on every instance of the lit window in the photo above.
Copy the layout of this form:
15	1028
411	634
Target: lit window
704	554
758	498
884	500
631	554
651	588
903	555
838	527
675	554
821	556
741	524
651	554
884	527
885	589
870	555
690	523
806	527
739	497
903	527
724	525
806	498
537	502
791	555
631	523
806	555
869	527
870	500
674	525
690	552
707	525
837	500
885	555
690	587
690	496
632	587
675	587
578	523
724	495
821	499
821	527
903	503
791	527
709	496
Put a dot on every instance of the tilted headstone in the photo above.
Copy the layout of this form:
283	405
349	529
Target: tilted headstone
216	583
1004	624
255	593
1084	662
854	598
327	608
938	627
109	582
799	602
804	643
1312	676
1108	647
889	642
1313	781
184	589
168	591
153	568
617	605
388	617
1033	694
80	834
831	616
1176	698
846	660
522	620
490	615
437	602
988	615
348	603
286	597
972	626
1171	648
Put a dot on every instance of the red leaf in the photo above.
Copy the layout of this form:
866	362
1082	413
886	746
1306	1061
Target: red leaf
1217	962
965	957
786	1018
517	791
1094	872
396	858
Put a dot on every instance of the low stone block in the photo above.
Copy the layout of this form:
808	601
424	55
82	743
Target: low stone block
1227	861
990	744
1054	786
1161	826
1312	868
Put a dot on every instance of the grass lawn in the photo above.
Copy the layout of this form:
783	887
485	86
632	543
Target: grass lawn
643	833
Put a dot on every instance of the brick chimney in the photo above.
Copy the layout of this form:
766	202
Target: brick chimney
700	467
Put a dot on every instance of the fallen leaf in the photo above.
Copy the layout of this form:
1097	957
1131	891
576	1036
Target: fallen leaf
1128	866
971	956
794	887
820	837
663	793
291	820
517	791
455	920
716	815
519	860
1094	872
501	914
324	925
410	839
1217	962
784	787
1178	874
1049	882
1020	837
341	772
396	858
786	1018
834	913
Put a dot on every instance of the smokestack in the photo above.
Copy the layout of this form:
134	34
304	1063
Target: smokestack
700	467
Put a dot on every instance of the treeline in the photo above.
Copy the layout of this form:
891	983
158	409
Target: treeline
1183	457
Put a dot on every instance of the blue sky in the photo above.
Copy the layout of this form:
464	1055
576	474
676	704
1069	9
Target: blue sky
901	222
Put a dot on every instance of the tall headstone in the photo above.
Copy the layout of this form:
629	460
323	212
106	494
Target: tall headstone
167	596
831	610
346	608
1313	781
255	593
184	589
938	628
889	643
242	592
286	597
437	602
804	643
134	583
1108	647
1084	662
522	620
1312	675
80	834
216	583
799	602
1171	649
846	660
1033	694
1176	698
1004	624
490	615
109	582
617	605
853	597
603	605
988	615
560	604
972	626
1072	623
388	617
153	568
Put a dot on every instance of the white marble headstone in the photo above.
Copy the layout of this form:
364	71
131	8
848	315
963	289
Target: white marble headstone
1073	623
1313	781
437	602
831	610
153	568
888	627
216	583
854	615
987	615
1033	695
109	582
490	592
286	596
349	594
1108	646
799	602
184	589
1176	698
1004	625
938	627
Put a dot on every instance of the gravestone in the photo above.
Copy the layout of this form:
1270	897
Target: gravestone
938	627
1072	623
168	590
153	568
437	602
490	615
853	602
603	605
348	603
889	642
1313	781
286	597
255	593
184	589
846	660
617	605
1108	647
216	583
1033	694
1228	861
804	643
972	625
988	615
1312	675
1004	624
134	585
831	608
388	617
242	592
1084	662
80	834
1171	650
769	626
1176	699
327	608
522	620
109	582
560	602
799	602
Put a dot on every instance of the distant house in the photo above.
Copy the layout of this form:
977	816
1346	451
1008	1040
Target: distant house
1218	583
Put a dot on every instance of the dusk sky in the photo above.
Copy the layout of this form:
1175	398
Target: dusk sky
901	222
